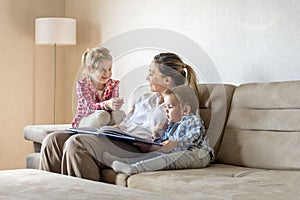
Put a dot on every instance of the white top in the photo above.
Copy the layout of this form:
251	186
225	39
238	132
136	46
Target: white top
144	116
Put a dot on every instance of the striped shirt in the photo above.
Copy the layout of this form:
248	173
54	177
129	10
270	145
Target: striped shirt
89	99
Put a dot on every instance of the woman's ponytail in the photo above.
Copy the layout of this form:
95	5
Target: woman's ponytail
192	79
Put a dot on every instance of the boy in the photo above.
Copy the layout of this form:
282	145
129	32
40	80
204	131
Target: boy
184	145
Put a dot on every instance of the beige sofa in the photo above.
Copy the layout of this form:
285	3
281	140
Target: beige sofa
255	131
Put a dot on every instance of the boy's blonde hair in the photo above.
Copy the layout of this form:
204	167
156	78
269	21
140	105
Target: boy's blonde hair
185	96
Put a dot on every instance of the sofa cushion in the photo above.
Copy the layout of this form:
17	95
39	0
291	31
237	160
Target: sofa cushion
33	161
37	184
214	107
263	128
220	182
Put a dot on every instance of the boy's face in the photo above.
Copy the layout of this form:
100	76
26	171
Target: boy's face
173	110
103	73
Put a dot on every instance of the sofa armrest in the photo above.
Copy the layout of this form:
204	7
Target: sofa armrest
37	133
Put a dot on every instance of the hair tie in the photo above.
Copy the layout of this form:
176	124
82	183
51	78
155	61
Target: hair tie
95	54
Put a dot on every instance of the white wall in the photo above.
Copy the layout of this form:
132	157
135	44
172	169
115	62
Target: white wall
238	41
247	41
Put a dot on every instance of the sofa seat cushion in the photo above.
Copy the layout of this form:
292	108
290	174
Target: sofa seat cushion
36	184
221	182
33	161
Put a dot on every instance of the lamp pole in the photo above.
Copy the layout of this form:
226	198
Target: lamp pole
55	31
54	94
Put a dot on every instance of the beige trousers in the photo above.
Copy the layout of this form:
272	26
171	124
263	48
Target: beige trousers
80	155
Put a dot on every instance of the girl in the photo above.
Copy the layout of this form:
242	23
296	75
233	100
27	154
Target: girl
98	94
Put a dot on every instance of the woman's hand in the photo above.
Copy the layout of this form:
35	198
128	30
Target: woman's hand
118	127
169	145
114	103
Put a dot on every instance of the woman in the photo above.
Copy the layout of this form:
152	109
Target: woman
82	155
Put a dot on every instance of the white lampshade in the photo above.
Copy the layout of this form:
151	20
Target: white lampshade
59	31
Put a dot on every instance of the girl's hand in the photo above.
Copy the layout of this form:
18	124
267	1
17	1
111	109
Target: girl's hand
114	103
169	145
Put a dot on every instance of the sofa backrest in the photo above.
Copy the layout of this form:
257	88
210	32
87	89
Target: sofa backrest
263	127
214	108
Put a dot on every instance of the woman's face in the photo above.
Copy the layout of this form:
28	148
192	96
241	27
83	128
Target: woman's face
103	73
156	79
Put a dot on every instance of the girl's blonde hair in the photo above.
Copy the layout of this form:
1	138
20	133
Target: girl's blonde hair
92	57
169	64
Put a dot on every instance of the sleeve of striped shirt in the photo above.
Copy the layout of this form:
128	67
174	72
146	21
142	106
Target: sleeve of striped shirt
188	133
115	90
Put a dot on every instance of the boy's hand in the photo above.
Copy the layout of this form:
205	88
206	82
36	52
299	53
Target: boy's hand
159	127
169	145
114	103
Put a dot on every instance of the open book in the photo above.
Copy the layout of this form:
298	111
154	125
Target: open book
110	132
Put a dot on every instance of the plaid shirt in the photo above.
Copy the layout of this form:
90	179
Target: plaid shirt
189	132
89	100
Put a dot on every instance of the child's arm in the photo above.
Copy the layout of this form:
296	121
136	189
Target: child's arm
114	86
169	146
189	132
112	89
86	97
157	132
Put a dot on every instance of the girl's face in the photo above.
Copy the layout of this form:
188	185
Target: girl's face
173	109
156	79
103	73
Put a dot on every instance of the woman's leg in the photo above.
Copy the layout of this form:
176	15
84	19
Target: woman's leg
52	151
82	156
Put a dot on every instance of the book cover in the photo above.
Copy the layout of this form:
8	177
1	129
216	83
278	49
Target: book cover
111	132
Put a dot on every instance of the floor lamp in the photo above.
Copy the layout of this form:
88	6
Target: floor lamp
55	31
